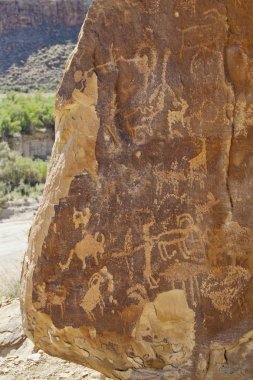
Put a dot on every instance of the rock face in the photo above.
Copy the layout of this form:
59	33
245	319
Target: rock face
28	13
140	258
38	145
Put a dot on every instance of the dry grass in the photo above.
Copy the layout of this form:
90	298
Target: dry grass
9	287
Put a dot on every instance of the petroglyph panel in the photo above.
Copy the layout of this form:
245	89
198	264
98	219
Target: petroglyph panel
140	257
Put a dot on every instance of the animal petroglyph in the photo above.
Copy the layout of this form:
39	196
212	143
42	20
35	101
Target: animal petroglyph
81	218
93	297
89	246
177	117
178	238
198	166
56	298
155	103
170	178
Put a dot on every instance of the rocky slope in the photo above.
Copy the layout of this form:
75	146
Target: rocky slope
36	37
19	359
23	14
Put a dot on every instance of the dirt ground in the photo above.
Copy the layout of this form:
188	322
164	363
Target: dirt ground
40	366
20	360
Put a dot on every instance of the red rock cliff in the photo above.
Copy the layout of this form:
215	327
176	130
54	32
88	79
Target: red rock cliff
19	14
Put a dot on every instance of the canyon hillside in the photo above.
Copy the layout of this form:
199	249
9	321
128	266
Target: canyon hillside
36	37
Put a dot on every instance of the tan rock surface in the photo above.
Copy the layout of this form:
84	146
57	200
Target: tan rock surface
140	257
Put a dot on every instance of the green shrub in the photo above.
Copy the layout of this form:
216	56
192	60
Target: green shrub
23	113
19	176
15	169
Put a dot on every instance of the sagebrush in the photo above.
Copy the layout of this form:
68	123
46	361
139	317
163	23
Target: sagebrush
21	113
19	176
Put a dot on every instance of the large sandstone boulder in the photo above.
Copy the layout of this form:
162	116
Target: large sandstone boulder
140	258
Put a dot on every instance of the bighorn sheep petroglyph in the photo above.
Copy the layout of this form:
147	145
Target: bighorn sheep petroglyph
93	296
88	246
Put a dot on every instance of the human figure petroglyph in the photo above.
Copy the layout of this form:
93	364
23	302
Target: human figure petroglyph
147	247
128	250
81	78
155	103
93	297
198	166
243	116
170	243
89	246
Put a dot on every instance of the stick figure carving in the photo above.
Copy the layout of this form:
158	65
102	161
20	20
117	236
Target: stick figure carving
185	241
